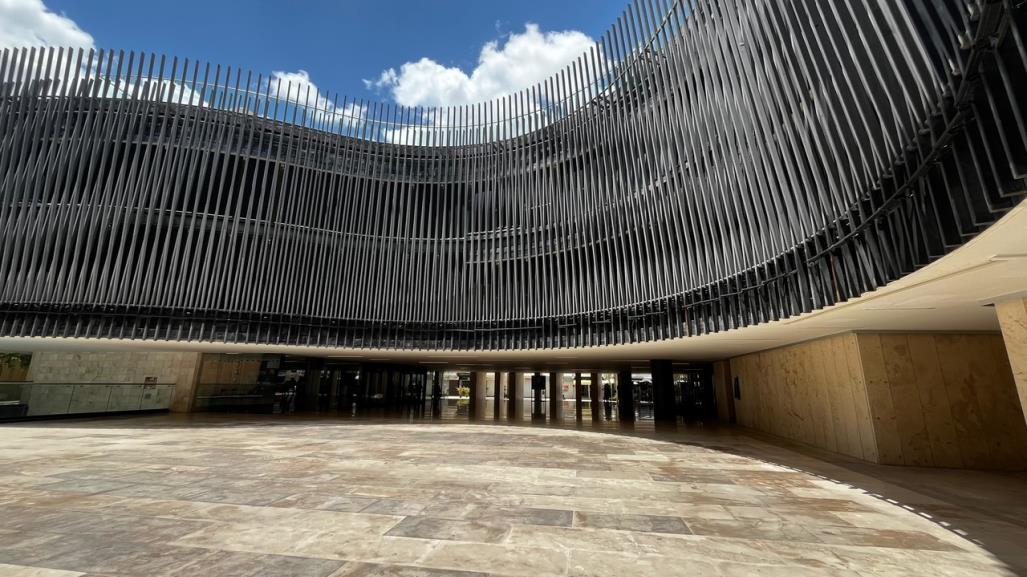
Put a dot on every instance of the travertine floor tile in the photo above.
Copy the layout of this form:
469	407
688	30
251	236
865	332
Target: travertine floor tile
449	529
230	496
627	522
499	559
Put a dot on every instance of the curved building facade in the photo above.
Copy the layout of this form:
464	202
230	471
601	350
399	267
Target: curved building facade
706	166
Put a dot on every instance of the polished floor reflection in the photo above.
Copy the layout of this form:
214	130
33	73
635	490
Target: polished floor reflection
458	409
293	496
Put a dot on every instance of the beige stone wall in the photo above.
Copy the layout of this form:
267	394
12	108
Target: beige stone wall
923	399
15	373
1012	316
180	368
811	392
722	386
225	374
224	369
943	400
111	367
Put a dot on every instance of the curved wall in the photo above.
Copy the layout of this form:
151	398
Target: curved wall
708	165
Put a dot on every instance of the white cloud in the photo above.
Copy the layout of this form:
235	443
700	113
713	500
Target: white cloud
296	87
26	23
525	59
504	67
386	78
30	24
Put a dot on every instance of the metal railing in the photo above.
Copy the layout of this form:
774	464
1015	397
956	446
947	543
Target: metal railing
29	399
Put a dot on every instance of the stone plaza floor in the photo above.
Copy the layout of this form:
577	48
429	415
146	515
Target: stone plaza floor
233	496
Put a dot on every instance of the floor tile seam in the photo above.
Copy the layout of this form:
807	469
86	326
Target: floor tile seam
505	535
209	520
104	511
462	570
422	561
815	540
425	563
251	551
300	527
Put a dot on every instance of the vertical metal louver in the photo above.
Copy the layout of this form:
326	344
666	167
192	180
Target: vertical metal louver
705	166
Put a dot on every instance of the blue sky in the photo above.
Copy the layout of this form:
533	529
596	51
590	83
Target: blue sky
340	44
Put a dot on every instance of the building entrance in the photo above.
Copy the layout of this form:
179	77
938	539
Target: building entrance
286	384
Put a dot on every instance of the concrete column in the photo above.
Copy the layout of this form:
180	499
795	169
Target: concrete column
538	386
625	397
497	395
184	397
578	401
555	398
477	401
312	384
510	378
595	395
437	390
664	408
1012	317
722	386
515	388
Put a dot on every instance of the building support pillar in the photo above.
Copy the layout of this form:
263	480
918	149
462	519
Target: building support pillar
722	386
515	402
595	396
625	397
538	387
477	394
312	385
1012	317
578	401
183	398
437	389
664	409
555	398
497	395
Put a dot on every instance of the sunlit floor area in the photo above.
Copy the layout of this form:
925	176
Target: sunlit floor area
225	495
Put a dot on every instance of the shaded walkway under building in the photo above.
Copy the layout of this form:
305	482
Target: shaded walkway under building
286	384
